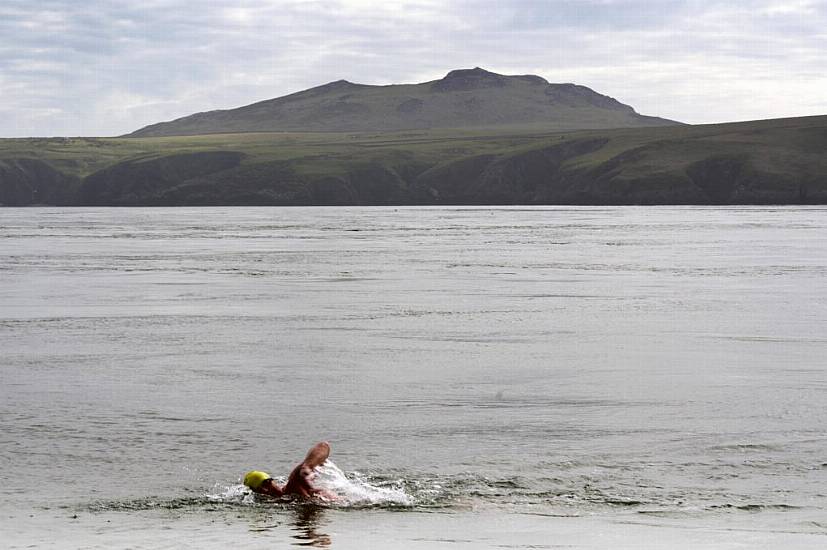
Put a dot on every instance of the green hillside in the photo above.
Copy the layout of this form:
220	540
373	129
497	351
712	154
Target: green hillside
774	161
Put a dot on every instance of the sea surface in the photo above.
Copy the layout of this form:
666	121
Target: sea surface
579	377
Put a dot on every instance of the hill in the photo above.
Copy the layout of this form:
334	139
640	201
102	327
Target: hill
464	98
773	161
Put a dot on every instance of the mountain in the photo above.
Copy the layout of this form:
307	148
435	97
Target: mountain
761	162
463	98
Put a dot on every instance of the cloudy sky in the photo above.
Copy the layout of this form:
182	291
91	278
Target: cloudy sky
107	67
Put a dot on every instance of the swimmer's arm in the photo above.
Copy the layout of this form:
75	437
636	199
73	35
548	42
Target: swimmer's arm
316	456
307	476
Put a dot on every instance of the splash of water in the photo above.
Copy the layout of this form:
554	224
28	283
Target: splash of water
233	494
356	490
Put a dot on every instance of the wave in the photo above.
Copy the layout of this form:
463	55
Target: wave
458	491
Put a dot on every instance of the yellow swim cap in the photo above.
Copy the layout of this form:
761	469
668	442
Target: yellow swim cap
254	479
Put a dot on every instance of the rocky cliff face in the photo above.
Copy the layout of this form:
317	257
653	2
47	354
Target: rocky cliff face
151	181
25	181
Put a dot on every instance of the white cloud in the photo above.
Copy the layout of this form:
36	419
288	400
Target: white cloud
108	67
786	7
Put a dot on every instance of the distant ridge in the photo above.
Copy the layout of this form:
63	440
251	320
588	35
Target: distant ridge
463	98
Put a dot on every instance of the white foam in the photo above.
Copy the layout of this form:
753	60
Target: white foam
355	490
233	494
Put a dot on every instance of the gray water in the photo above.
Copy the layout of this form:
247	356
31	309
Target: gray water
661	363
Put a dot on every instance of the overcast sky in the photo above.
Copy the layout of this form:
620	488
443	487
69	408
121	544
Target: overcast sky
107	67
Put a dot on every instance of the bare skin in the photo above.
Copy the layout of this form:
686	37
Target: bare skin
300	481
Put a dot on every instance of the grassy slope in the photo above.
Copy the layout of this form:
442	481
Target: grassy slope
786	148
314	152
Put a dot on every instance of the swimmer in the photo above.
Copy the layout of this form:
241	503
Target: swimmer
299	482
